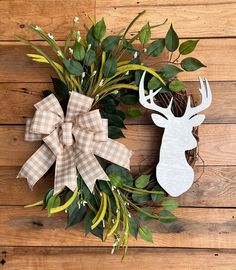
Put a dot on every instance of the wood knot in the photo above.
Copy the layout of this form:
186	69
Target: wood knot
3	261
37	223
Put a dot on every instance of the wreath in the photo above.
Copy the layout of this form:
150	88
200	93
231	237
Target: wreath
102	73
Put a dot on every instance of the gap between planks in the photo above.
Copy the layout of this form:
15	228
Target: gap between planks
17	100
215	188
207	51
217	144
37	258
195	228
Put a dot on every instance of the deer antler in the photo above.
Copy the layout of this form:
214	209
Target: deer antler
143	99
206	94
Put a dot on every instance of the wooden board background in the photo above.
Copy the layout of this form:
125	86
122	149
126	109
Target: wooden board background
204	237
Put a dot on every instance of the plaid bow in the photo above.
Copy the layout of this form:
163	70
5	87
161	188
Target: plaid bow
72	142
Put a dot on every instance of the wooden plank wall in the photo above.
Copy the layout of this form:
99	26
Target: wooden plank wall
204	237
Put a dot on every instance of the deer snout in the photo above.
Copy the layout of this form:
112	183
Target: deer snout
173	180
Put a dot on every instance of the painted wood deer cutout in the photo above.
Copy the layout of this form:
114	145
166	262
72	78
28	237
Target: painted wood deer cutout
173	172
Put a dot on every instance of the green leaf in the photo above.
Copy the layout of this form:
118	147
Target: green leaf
110	43
154	83
109	105
74	67
144	217
134	112
76	216
98	231
140	198
74	204
133	227
53	201
135	61
157	197
103	185
166	213
129	99
113	119
47	196
187	46
121	114
137	76
128	46
191	64
88	222
90	57
156	47
115	179
170	204
90	38
115	132
100	29
176	86
169	71
110	67
103	163
124	174
145	233
171	40
78	51
60	88
142	181
145	34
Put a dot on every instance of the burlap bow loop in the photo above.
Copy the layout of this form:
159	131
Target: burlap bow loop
48	116
71	141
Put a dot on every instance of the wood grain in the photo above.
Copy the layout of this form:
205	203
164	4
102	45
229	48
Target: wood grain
54	16
196	227
170	3
17	258
197	19
202	17
216	187
17	192
222	110
15	66
204	237
17	100
217	144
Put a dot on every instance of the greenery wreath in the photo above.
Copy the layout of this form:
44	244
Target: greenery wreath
109	69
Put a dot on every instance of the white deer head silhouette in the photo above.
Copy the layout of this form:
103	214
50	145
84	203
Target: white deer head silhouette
173	172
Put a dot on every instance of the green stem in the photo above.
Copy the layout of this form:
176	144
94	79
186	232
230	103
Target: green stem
146	213
132	23
132	189
112	230
92	92
134	67
29	43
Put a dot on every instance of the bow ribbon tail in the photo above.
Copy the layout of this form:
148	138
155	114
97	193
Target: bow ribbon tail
114	152
89	169
37	165
65	171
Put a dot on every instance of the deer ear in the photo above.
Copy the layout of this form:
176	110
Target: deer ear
159	120
197	120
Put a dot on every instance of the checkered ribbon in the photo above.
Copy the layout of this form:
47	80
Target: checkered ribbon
71	142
